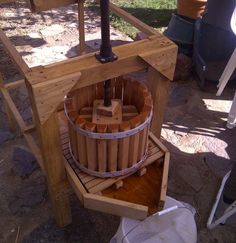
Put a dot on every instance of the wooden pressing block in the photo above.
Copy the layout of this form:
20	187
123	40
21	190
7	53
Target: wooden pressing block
108	110
101	119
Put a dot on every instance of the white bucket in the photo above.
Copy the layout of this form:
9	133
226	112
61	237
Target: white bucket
176	226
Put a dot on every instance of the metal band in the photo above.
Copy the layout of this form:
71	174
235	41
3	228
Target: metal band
126	171
115	135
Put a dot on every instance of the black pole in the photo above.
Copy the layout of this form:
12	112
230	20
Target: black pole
106	54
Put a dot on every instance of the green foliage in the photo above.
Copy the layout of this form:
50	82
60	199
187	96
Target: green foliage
156	13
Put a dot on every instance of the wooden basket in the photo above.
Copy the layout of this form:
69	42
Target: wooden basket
109	150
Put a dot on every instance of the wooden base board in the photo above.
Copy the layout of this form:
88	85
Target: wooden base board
146	190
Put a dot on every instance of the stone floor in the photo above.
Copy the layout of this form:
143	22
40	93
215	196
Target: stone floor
194	131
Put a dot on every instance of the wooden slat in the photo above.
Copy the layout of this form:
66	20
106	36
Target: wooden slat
158	142
75	182
10	117
112	148
91	145
143	137
81	144
15	84
13	109
93	71
43	5
148	30
115	207
13	53
73	135
123	157
102	149
134	142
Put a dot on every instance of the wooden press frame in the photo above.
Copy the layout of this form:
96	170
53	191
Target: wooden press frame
48	85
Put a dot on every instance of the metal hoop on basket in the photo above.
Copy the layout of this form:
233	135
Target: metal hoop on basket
115	135
123	172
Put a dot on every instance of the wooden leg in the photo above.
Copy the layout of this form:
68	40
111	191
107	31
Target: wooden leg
159	87
55	170
81	27
10	117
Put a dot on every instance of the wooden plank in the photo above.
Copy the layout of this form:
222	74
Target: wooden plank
55	170
148	30
43	5
13	53
49	96
75	182
158	61
158	142
123	157
164	180
17	116
10	117
15	84
102	149
112	148
50	144
115	207
93	71
91	145
159	87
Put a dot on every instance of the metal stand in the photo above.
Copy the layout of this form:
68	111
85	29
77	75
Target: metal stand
227	213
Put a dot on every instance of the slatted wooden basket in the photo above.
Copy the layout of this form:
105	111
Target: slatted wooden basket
106	148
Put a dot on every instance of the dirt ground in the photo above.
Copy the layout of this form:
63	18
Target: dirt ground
194	131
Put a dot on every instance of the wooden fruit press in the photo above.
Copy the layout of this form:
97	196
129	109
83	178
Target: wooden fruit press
96	128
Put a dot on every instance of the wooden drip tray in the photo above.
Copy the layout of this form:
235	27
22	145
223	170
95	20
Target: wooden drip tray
135	196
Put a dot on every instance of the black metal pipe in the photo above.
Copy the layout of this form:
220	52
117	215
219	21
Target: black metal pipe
107	92
105	49
106	54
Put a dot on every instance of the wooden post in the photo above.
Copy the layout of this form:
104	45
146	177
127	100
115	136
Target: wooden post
81	27
10	117
159	87
50	144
